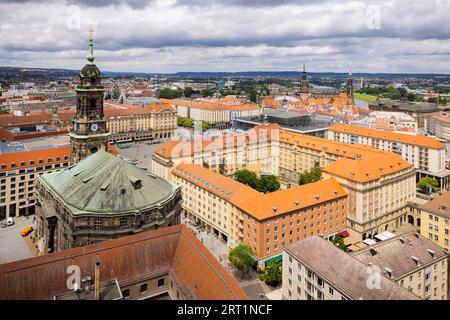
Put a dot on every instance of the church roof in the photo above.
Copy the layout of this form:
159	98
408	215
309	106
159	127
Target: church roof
107	184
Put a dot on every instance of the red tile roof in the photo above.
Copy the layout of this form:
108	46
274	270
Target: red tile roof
173	250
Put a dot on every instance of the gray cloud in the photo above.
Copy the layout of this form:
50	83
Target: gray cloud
178	35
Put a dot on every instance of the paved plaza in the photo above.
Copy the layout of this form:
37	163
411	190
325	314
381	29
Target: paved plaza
142	152
15	247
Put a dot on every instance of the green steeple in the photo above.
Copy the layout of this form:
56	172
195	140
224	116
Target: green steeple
90	57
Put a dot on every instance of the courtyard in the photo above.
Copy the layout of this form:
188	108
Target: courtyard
255	288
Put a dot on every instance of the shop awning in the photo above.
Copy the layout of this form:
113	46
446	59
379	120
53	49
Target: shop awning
344	234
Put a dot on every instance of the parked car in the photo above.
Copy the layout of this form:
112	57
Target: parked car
26	231
3	224
9	221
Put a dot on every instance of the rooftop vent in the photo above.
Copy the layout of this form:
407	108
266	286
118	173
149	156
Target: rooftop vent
274	209
123	191
78	172
416	260
432	253
389	272
402	240
136	182
373	251
105	185
297	203
87	179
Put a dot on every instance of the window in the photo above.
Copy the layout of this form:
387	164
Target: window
123	222
331	290
160	282
126	293
144	288
98	222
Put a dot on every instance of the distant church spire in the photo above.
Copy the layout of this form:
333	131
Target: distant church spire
350	84
304	84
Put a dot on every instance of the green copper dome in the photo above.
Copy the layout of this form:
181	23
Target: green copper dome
107	184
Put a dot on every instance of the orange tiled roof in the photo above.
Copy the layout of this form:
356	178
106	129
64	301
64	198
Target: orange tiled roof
421	141
211	105
175	148
160	107
258	205
279	202
332	147
35	155
368	169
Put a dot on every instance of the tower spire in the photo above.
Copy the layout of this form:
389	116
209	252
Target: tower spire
90	56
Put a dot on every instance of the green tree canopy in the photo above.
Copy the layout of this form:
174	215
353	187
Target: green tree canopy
273	273
426	183
242	258
310	176
247	177
267	184
167	93
339	242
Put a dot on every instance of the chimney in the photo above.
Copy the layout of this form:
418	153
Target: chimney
97	278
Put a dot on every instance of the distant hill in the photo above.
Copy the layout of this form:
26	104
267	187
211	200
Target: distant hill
40	73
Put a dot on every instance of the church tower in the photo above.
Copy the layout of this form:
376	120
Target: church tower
89	133
304	85
350	85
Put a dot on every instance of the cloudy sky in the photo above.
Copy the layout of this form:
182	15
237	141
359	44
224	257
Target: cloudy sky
229	35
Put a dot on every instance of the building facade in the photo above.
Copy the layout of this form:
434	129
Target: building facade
266	222
217	113
413	262
379	190
435	220
255	150
18	173
315	269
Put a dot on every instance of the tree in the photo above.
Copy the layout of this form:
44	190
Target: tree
426	183
267	184
339	242
273	273
185	122
206	93
167	93
310	176
247	177
242	258
188	92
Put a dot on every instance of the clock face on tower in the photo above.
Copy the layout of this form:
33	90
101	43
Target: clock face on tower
94	127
